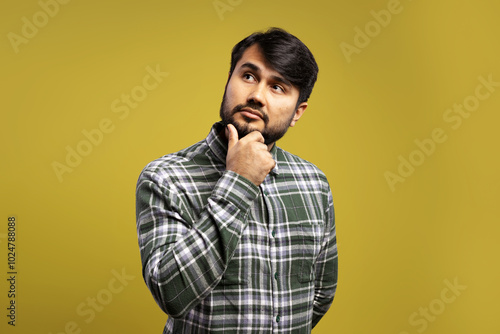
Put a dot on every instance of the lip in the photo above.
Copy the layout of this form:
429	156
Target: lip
250	113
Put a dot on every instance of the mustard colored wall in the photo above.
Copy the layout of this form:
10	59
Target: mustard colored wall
403	120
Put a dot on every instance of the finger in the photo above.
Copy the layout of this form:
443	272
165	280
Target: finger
232	136
255	136
270	159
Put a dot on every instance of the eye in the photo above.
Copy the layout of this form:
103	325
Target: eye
278	88
248	77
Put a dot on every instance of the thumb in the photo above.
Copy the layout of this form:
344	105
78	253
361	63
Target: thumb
232	136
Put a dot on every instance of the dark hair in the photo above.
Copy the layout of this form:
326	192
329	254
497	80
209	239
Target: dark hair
286	54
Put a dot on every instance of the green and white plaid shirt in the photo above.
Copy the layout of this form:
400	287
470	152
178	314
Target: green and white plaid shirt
221	255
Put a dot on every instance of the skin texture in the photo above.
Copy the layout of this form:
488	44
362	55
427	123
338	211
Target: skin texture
259	106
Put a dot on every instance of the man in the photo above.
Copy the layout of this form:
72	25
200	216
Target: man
237	235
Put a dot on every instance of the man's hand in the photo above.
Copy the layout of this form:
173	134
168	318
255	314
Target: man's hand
249	156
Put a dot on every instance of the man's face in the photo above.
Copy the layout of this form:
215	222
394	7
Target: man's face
257	98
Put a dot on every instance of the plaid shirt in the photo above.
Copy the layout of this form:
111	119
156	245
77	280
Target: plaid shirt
221	255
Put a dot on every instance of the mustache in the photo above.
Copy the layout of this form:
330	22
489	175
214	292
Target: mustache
254	106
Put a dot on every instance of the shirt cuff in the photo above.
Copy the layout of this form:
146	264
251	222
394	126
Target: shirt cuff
236	189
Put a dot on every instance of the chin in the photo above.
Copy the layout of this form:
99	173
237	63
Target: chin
245	128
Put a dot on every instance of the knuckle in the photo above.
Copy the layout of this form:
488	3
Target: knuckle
257	135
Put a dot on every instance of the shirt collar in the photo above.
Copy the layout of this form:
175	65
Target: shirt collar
218	145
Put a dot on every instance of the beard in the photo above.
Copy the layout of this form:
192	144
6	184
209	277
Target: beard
270	134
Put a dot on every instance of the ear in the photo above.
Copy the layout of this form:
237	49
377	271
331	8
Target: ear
298	113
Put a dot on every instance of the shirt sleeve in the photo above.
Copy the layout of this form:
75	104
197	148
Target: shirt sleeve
326	267
184	259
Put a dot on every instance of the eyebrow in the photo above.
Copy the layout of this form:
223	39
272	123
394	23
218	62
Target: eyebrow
277	78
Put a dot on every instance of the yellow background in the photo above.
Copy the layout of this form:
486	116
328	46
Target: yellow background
397	248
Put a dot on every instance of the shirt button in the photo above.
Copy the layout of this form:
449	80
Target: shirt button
277	318
276	276
273	233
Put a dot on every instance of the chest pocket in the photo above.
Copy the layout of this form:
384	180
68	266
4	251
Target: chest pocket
300	235
306	242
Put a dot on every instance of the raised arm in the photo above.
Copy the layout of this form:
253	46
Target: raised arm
184	257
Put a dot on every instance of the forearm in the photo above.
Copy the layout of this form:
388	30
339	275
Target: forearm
184	260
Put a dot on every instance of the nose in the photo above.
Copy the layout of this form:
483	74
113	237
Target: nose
257	95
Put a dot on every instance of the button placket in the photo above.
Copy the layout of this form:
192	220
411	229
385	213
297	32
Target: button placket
273	251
